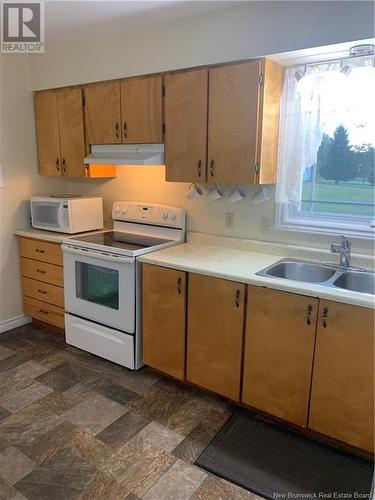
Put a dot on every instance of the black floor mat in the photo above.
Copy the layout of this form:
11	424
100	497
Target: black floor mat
268	460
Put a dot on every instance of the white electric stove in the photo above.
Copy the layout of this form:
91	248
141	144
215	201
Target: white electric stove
102	279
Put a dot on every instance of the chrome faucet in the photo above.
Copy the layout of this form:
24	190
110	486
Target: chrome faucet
343	249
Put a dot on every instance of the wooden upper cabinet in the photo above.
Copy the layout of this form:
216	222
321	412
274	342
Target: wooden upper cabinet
163	316
214	337
342	394
141	109
233	122
279	348
47	130
240	120
72	141
186	126
103	113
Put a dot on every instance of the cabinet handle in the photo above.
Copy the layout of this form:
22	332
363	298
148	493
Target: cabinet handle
58	164
237	298
309	314
41	271
63	166
212	168
179	286
117	130
199	168
42	291
325	317
125	130
43	311
39	250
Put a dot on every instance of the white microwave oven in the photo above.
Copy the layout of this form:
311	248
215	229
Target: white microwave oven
66	214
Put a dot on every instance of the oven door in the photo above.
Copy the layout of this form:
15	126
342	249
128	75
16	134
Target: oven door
100	287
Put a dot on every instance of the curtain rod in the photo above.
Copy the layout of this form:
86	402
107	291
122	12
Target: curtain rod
340	59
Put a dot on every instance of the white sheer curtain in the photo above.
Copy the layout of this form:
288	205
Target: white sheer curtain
323	98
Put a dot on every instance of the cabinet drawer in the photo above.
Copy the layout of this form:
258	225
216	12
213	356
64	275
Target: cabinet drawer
43	291
40	250
44	312
41	271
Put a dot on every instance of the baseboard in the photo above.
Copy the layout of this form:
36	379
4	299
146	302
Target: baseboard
11	323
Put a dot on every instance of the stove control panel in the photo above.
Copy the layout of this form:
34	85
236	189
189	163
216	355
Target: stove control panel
161	215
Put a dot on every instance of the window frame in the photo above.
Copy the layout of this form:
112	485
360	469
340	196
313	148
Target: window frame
288	218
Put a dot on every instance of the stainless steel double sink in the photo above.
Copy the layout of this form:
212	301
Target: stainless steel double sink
327	275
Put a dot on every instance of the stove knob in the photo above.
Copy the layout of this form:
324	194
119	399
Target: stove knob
116	210
172	215
124	210
165	215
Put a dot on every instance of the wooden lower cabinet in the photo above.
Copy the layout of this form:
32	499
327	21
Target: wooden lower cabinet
41	251
42	280
48	313
43	291
307	361
42	271
342	394
214	334
163	313
279	349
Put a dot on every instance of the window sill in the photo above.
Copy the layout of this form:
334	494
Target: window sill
287	221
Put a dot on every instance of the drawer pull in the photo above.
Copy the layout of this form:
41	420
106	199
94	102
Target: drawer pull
43	311
42	291
39	250
179	285
41	271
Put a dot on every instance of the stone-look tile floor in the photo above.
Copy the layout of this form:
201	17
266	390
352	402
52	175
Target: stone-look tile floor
74	426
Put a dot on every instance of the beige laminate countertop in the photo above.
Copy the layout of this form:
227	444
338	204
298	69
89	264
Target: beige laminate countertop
52	236
242	266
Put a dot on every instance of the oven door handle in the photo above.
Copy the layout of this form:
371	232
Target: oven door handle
97	255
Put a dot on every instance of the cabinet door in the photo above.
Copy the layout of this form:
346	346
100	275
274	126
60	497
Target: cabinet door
233	123
47	130
164	308
72	137
215	332
279	348
342	395
186	126
141	105
103	113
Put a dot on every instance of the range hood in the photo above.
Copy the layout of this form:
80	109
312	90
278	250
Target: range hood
126	154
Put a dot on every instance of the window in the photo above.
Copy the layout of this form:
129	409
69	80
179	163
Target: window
325	177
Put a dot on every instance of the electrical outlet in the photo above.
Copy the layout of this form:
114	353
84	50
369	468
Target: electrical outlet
229	220
265	224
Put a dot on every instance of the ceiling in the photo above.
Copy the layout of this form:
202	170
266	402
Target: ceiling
72	18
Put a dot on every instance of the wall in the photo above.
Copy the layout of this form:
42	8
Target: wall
252	29
18	157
